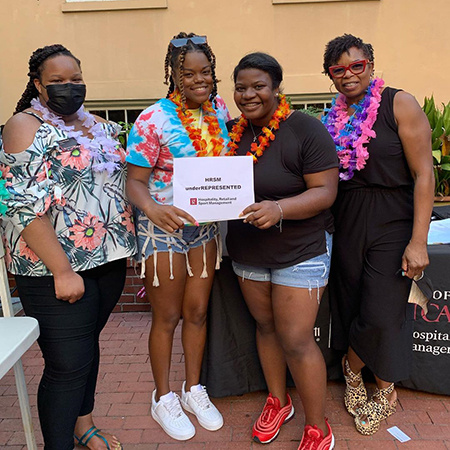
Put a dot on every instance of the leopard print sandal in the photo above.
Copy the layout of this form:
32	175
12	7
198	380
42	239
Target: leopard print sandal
354	397
368	420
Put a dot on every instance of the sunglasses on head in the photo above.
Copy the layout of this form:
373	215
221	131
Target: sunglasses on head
183	41
356	68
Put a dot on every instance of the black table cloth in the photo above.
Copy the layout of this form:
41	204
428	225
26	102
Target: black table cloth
231	365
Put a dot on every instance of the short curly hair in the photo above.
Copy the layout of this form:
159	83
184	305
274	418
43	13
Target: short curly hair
264	62
341	44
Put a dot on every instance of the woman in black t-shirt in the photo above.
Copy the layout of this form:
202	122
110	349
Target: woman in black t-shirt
281	250
382	214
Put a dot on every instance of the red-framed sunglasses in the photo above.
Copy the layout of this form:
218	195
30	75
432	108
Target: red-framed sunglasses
355	67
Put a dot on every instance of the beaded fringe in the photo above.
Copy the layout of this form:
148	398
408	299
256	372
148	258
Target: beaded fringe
151	236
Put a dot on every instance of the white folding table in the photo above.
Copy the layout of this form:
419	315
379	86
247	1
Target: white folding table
17	335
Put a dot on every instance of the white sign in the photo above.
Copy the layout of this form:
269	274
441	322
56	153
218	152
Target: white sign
213	188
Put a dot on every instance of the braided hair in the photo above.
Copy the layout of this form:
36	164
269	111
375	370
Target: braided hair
175	59
342	44
35	66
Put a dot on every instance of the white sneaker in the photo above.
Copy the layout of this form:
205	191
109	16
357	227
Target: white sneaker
168	413
197	402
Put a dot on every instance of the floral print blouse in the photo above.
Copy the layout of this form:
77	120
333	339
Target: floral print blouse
91	217
158	136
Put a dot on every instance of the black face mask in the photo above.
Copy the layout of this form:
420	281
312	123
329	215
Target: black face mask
65	99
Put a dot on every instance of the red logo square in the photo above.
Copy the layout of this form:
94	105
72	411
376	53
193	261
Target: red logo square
193	201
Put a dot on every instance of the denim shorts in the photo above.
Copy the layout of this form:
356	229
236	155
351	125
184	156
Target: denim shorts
153	240
309	274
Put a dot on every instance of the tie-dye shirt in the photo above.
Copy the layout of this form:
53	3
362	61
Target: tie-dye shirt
158	136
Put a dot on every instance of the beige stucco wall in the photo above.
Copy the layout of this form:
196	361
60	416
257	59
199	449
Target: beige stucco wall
122	51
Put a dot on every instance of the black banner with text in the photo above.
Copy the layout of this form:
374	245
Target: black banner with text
431	335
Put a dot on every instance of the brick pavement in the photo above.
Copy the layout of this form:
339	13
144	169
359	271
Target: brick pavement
123	404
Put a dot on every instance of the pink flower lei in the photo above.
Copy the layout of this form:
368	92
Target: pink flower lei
351	134
102	148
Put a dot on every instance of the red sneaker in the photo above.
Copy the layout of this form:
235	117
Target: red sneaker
268	425
313	438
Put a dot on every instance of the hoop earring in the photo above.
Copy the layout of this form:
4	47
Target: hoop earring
331	87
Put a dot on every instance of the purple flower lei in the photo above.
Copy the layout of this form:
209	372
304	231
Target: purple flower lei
352	134
102	148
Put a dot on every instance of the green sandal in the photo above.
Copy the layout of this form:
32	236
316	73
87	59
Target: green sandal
368	420
93	431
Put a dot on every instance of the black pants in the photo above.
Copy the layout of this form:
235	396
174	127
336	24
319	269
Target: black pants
368	296
69	343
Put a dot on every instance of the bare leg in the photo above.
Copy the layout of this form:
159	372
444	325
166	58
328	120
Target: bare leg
356	365
166	301
194	309
354	361
257	295
295	312
381	384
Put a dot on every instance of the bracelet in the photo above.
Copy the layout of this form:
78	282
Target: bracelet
280	223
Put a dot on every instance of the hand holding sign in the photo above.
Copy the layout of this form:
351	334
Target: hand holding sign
169	218
262	215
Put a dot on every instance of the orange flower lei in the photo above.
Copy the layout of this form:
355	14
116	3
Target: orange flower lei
256	150
195	134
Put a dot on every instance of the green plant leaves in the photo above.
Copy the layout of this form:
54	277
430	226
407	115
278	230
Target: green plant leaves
440	129
437	156
123	135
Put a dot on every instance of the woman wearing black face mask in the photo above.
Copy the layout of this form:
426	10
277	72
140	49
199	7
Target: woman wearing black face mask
67	231
65	99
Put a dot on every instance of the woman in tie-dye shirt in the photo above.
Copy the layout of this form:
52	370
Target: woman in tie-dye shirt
178	261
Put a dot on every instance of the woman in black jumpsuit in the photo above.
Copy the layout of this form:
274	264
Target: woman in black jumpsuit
382	215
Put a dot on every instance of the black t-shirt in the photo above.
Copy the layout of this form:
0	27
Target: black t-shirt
302	145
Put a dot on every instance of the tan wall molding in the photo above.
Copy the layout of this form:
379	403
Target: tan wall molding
120	103
312	97
112	5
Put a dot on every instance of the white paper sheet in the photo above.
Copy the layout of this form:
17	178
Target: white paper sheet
398	434
213	188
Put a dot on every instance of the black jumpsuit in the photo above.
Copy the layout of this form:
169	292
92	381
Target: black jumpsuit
373	220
